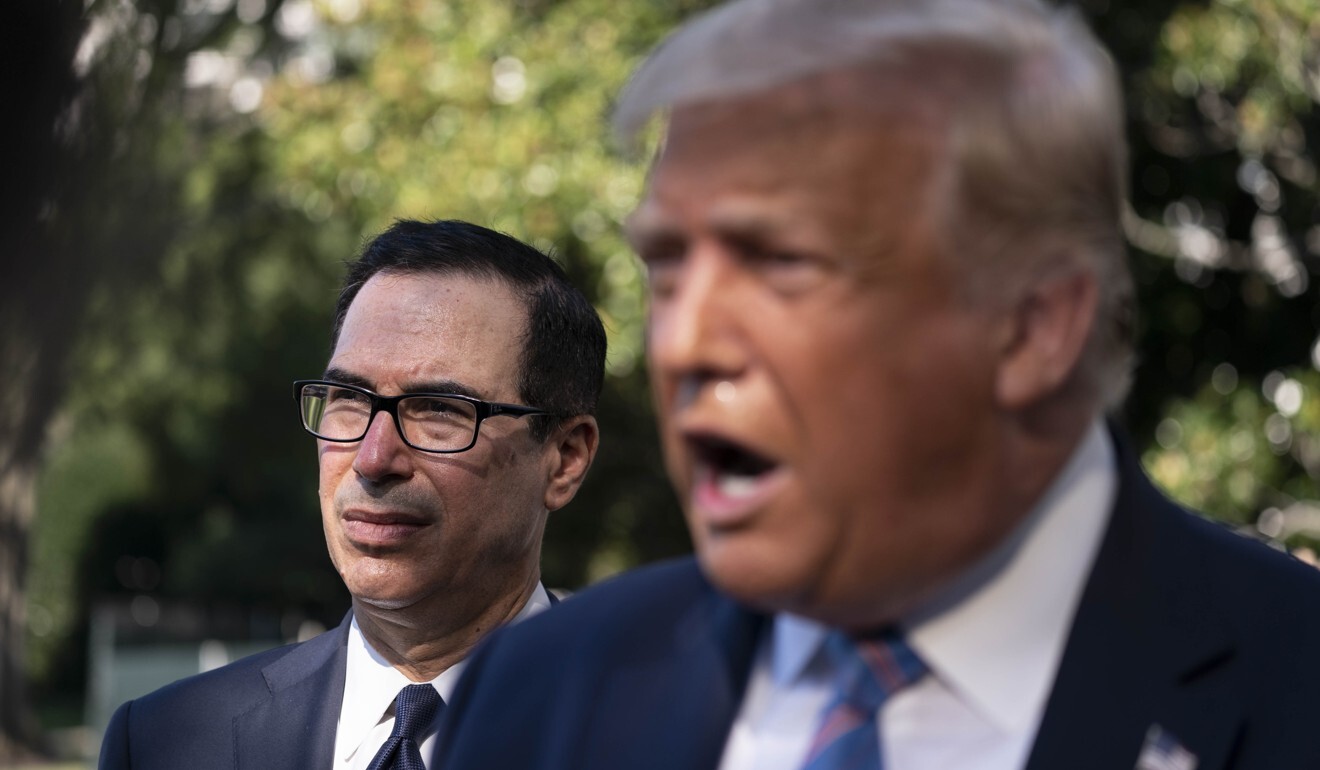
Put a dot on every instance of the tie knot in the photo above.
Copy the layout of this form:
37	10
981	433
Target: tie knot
872	669
415	708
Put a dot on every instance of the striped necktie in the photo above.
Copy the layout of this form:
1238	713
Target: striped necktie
415	708
868	671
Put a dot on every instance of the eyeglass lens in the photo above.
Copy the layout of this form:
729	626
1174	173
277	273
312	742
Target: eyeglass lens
427	422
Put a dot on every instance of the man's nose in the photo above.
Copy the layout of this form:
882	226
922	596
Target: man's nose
381	453
696	330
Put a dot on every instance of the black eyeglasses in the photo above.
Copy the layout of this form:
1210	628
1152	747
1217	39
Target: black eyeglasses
429	422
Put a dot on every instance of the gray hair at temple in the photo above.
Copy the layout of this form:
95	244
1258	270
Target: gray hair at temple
1034	127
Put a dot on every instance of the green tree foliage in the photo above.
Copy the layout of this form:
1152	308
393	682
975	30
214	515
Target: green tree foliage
1226	234
1238	450
250	146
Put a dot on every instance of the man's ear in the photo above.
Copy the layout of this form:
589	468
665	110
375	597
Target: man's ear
573	447
1047	331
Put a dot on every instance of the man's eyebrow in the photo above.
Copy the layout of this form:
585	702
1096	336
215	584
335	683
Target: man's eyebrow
732	219
335	374
741	222
442	386
645	226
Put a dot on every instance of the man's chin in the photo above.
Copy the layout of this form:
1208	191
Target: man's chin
382	599
759	581
773	582
386	604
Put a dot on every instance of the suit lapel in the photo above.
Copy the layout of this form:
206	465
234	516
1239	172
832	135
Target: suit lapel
1148	648
295	727
664	710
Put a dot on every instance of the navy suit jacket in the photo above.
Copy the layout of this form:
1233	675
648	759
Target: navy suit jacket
1182	624
276	709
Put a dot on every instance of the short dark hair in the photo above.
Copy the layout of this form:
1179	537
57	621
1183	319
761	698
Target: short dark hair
562	365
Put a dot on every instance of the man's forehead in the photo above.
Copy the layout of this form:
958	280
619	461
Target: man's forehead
417	327
426	297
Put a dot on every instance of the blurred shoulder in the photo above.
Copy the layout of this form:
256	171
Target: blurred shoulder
673	581
1190	565
620	613
653	592
1257	581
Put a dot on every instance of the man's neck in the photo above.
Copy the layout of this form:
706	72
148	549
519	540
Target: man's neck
423	640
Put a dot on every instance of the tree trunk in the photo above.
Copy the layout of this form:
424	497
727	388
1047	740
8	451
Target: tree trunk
41	297
18	733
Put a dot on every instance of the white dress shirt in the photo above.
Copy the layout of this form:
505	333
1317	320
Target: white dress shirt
992	642
366	717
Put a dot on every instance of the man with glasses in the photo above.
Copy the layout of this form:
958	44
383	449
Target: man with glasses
889	310
455	413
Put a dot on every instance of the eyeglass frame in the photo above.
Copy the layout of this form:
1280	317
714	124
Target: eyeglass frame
390	405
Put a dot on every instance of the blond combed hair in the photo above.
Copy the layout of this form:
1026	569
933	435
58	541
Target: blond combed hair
1034	137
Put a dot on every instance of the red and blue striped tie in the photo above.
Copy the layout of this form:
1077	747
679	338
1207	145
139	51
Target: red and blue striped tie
868	671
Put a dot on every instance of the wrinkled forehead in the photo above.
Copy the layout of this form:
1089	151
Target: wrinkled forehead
881	104
825	159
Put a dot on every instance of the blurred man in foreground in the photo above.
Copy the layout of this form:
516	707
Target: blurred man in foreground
454	415
889	307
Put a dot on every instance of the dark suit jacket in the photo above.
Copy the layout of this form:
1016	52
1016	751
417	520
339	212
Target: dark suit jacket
273	710
1182	624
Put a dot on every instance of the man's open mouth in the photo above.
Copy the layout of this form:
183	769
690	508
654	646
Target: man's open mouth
730	470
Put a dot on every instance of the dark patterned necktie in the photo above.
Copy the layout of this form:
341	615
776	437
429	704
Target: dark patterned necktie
415	707
868	671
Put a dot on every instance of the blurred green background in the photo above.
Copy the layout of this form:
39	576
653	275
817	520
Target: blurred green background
188	177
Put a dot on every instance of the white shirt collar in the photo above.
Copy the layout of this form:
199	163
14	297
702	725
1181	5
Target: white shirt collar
371	683
997	639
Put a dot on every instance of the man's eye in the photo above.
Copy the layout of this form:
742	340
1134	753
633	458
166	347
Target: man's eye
785	270
783	258
661	281
662	270
438	406
347	396
759	253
